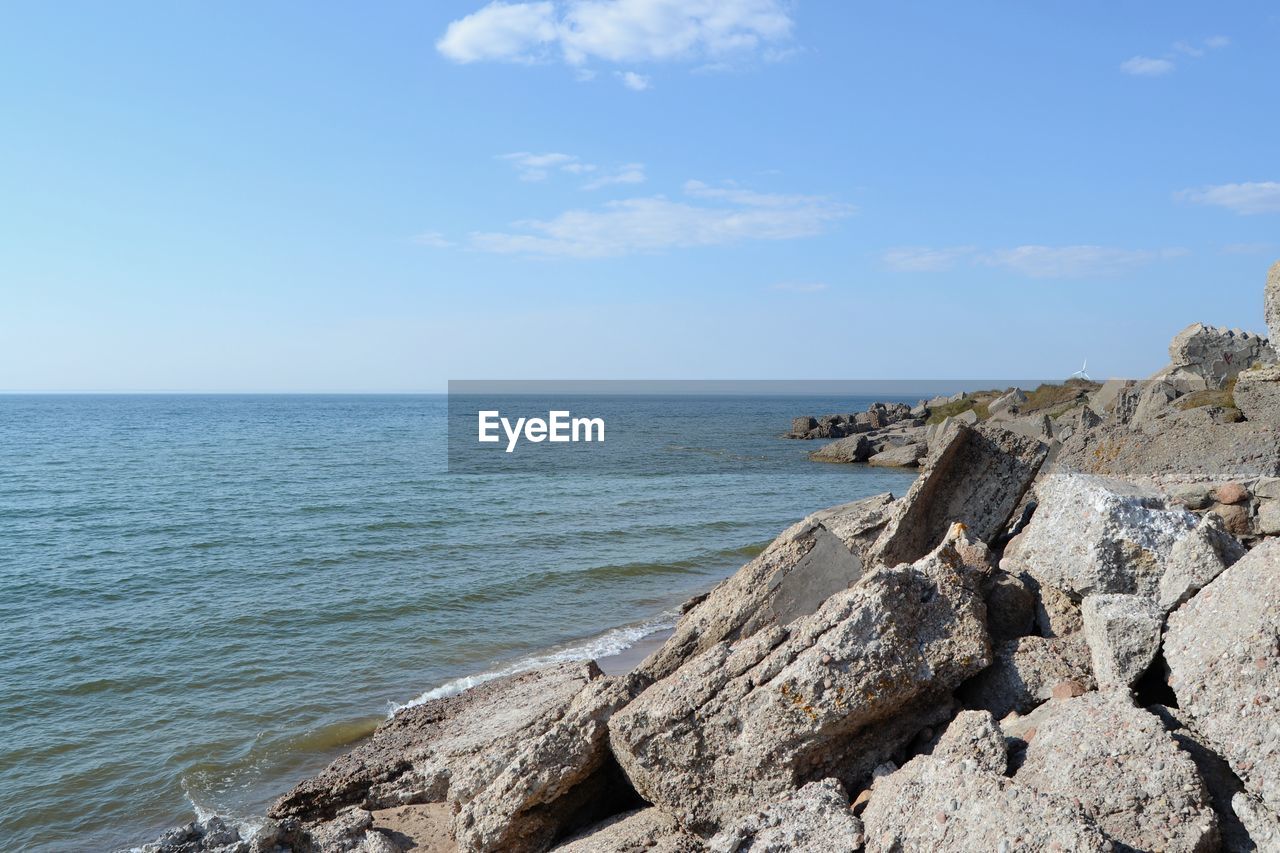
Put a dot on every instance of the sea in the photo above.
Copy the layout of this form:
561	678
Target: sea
204	599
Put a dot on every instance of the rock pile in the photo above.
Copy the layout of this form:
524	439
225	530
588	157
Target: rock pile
1026	652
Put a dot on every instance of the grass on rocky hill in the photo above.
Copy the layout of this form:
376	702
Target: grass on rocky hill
1057	398
1223	397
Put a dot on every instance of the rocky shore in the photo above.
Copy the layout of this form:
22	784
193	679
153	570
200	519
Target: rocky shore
1064	636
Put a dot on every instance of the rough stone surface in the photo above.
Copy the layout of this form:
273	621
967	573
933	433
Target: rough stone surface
520	794
816	817
1183	447
744	723
1126	771
807	563
854	448
643	831
1025	672
1124	635
952	799
973	475
1261	824
1195	560
1271	301
1257	394
1223	651
1011	606
1007	403
412	756
1216	354
906	456
1231	493
1268	521
213	835
1092	535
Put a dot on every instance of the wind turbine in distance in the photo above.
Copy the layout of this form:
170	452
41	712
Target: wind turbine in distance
1081	373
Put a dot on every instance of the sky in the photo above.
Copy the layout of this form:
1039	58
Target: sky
382	197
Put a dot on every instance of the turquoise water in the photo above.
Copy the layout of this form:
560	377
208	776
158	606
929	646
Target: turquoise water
205	598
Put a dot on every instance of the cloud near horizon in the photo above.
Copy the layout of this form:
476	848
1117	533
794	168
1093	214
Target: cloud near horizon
1246	199
619	31
1083	261
713	216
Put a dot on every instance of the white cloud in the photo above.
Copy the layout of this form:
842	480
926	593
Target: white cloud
657	223
633	81
1247	248
1075	261
1245	198
799	286
617	31
631	173
924	259
536	167
433	239
1145	66
1034	261
1217	42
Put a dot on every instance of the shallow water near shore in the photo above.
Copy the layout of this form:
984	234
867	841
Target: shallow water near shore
205	598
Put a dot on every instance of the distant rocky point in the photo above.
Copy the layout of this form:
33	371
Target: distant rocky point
1065	636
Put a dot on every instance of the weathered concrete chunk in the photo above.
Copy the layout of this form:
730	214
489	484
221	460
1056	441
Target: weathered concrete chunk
974	475
953	799
906	456
1257	394
1126	771
1007	403
1025	672
1195	560
1091	535
816	817
1124	635
744	723
807	563
411	757
1011	606
854	448
647	830
1223	651
1216	354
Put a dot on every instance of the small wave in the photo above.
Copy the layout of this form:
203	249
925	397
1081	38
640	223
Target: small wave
612	642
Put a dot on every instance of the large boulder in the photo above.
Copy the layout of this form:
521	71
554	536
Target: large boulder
1180	447
1093	535
816	817
1223	653
958	798
1007	404
820	555
1126	771
1271	301
1215	354
1257	394
517	759
854	448
831	694
1123	632
647	830
906	456
972	475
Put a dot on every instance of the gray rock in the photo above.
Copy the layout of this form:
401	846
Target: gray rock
821	555
1271	301
519	795
1223	652
1216	354
1261	824
1092	535
816	817
647	830
1007	403
212	835
1268	488
831	694
1126	771
1195	560
1024	673
1123	632
906	456
1257	394
1268	521
350	831
800	427
1011	606
854	448
1154	400
954	799
972	475
1105	397
1184	447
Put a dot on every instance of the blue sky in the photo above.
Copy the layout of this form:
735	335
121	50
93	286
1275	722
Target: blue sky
380	197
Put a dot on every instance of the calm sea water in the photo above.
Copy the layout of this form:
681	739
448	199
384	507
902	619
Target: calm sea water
205	598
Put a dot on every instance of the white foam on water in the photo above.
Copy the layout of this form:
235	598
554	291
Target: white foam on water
611	642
